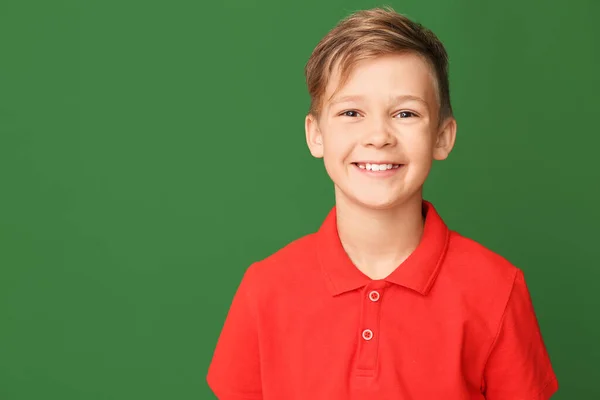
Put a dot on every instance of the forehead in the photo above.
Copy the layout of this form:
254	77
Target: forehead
386	76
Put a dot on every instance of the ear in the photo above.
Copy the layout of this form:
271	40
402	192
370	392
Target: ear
446	137
314	138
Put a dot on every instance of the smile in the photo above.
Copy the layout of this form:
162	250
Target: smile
378	170
376	167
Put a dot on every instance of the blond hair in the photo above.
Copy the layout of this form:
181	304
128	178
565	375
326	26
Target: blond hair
368	34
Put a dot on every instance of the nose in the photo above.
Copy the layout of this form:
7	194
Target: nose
379	133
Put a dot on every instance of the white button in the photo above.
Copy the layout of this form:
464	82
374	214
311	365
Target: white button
367	334
374	295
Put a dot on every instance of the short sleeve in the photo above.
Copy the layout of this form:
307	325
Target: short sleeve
234	372
518	367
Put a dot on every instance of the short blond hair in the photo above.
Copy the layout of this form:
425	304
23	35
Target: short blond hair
368	34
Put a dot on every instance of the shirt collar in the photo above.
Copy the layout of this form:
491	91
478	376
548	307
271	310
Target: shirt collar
417	272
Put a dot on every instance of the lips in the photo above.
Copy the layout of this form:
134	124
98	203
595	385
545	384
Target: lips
377	166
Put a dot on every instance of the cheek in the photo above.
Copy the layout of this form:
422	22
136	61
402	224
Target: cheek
337	145
418	146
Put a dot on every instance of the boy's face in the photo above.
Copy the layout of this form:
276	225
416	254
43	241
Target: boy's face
386	113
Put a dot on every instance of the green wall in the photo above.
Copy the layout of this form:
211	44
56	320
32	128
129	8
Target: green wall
150	151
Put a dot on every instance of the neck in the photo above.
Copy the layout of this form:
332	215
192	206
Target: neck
378	241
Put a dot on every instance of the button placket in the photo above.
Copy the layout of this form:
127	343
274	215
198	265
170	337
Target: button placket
369	332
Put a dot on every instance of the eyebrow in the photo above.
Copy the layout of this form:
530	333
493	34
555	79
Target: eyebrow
395	99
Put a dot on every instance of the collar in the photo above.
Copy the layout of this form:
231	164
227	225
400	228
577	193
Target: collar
417	272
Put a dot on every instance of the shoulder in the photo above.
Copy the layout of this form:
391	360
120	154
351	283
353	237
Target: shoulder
293	263
476	263
480	280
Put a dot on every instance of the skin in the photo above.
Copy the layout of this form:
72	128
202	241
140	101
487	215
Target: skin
387	111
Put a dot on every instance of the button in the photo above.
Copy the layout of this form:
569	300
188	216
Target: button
367	334
374	295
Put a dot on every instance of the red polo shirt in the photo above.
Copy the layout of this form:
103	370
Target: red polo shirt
454	321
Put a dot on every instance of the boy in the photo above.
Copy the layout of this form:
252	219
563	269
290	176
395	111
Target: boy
383	301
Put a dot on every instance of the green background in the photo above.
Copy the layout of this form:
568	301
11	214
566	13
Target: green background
151	151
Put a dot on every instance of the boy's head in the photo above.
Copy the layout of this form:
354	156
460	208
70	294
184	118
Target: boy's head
379	95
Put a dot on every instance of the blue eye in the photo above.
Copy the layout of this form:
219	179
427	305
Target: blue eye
401	114
406	114
346	113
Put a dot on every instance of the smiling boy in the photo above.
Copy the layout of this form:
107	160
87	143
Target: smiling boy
384	301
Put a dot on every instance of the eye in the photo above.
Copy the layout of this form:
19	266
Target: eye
349	113
406	114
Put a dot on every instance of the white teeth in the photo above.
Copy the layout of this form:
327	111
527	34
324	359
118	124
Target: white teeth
378	167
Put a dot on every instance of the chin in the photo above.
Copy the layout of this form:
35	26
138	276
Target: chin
378	200
375	198
380	203
378	207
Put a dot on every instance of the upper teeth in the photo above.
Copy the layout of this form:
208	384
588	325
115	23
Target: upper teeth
378	167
